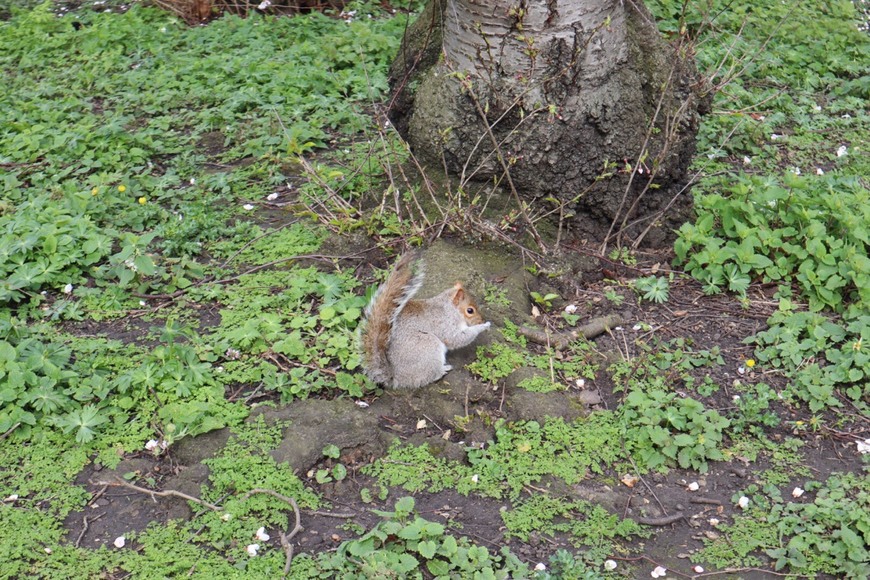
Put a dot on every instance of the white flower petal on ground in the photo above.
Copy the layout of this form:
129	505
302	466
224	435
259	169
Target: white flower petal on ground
694	486
610	564
68	289
120	541
659	572
797	492
272	196
540	567
841	150
248	206
262	535
743	502
252	549
863	446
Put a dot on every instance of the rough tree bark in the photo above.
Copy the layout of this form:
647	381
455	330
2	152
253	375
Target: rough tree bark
587	102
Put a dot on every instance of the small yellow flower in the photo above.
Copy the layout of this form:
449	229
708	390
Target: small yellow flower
142	200
857	346
750	363
95	191
122	188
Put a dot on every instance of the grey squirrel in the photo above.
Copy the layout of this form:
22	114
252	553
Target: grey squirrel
405	341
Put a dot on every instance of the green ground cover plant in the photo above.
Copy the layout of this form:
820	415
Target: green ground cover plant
139	158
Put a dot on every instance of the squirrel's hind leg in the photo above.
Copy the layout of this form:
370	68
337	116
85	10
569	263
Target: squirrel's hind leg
418	365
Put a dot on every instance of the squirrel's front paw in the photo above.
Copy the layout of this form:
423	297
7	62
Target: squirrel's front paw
485	325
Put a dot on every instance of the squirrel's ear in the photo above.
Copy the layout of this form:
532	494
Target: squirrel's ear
458	293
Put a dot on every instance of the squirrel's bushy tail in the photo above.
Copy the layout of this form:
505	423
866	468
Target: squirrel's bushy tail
381	313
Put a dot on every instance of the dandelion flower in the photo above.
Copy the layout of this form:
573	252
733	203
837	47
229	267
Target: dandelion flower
142	200
122	188
750	363
95	191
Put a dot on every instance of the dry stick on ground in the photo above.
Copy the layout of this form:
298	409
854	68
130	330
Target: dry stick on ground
166	493
662	521
562	340
10	430
285	538
86	522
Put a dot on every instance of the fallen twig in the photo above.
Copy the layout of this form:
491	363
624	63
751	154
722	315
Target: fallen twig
662	521
166	493
285	538
705	500
85	524
562	340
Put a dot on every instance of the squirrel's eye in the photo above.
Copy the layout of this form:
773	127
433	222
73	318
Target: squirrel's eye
469	310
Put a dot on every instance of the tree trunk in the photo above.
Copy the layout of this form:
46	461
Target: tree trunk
581	100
